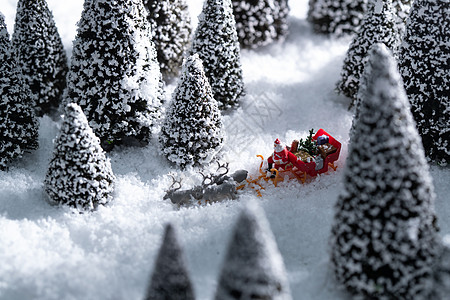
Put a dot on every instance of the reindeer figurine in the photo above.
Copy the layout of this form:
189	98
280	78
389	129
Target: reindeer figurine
219	187
183	197
214	188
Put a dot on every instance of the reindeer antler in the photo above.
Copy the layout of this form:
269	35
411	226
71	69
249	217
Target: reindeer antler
205	178
174	181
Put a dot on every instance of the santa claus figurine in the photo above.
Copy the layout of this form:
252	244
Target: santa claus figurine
281	156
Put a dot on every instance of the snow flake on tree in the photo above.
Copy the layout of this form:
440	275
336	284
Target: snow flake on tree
260	22
378	26
383	239
253	267
216	43
337	17
171	32
424	58
40	54
18	123
114	74
170	279
79	174
192	132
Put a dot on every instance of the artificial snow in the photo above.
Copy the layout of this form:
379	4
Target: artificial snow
49	252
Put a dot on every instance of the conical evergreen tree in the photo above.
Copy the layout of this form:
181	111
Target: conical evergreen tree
79	173
40	54
192	132
336	17
171	32
216	43
18	123
378	26
260	22
253	266
114	75
170	279
424	64
383	239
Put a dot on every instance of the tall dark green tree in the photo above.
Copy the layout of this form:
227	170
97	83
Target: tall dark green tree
336	17
260	22
170	279
383	240
216	43
79	174
18	123
424	64
378	26
40	54
171	32
253	267
114	75
192	132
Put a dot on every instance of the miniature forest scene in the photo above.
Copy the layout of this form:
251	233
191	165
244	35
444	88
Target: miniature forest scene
224	149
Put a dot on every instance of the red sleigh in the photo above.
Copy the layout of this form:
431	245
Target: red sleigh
301	164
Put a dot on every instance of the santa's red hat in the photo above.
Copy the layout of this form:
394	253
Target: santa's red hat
278	146
277	142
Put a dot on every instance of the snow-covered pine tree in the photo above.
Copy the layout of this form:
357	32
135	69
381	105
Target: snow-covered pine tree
336	17
253	267
170	279
260	22
216	43
40	54
424	58
383	240
18	123
192	132
378	26
114	74
79	174
171	32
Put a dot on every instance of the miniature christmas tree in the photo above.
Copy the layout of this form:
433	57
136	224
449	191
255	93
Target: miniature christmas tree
378	26
192	132
384	241
114	75
40	54
336	17
216	43
260	22
308	144
79	173
427	77
170	279
18	123
253	266
171	31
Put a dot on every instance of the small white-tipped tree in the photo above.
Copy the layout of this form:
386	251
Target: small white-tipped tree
40	54
79	174
378	26
114	74
424	64
170	22
261	22
192	132
384	240
18	124
336	17
253	267
216	43
170	279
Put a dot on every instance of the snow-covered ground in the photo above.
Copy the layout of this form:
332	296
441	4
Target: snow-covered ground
49	252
